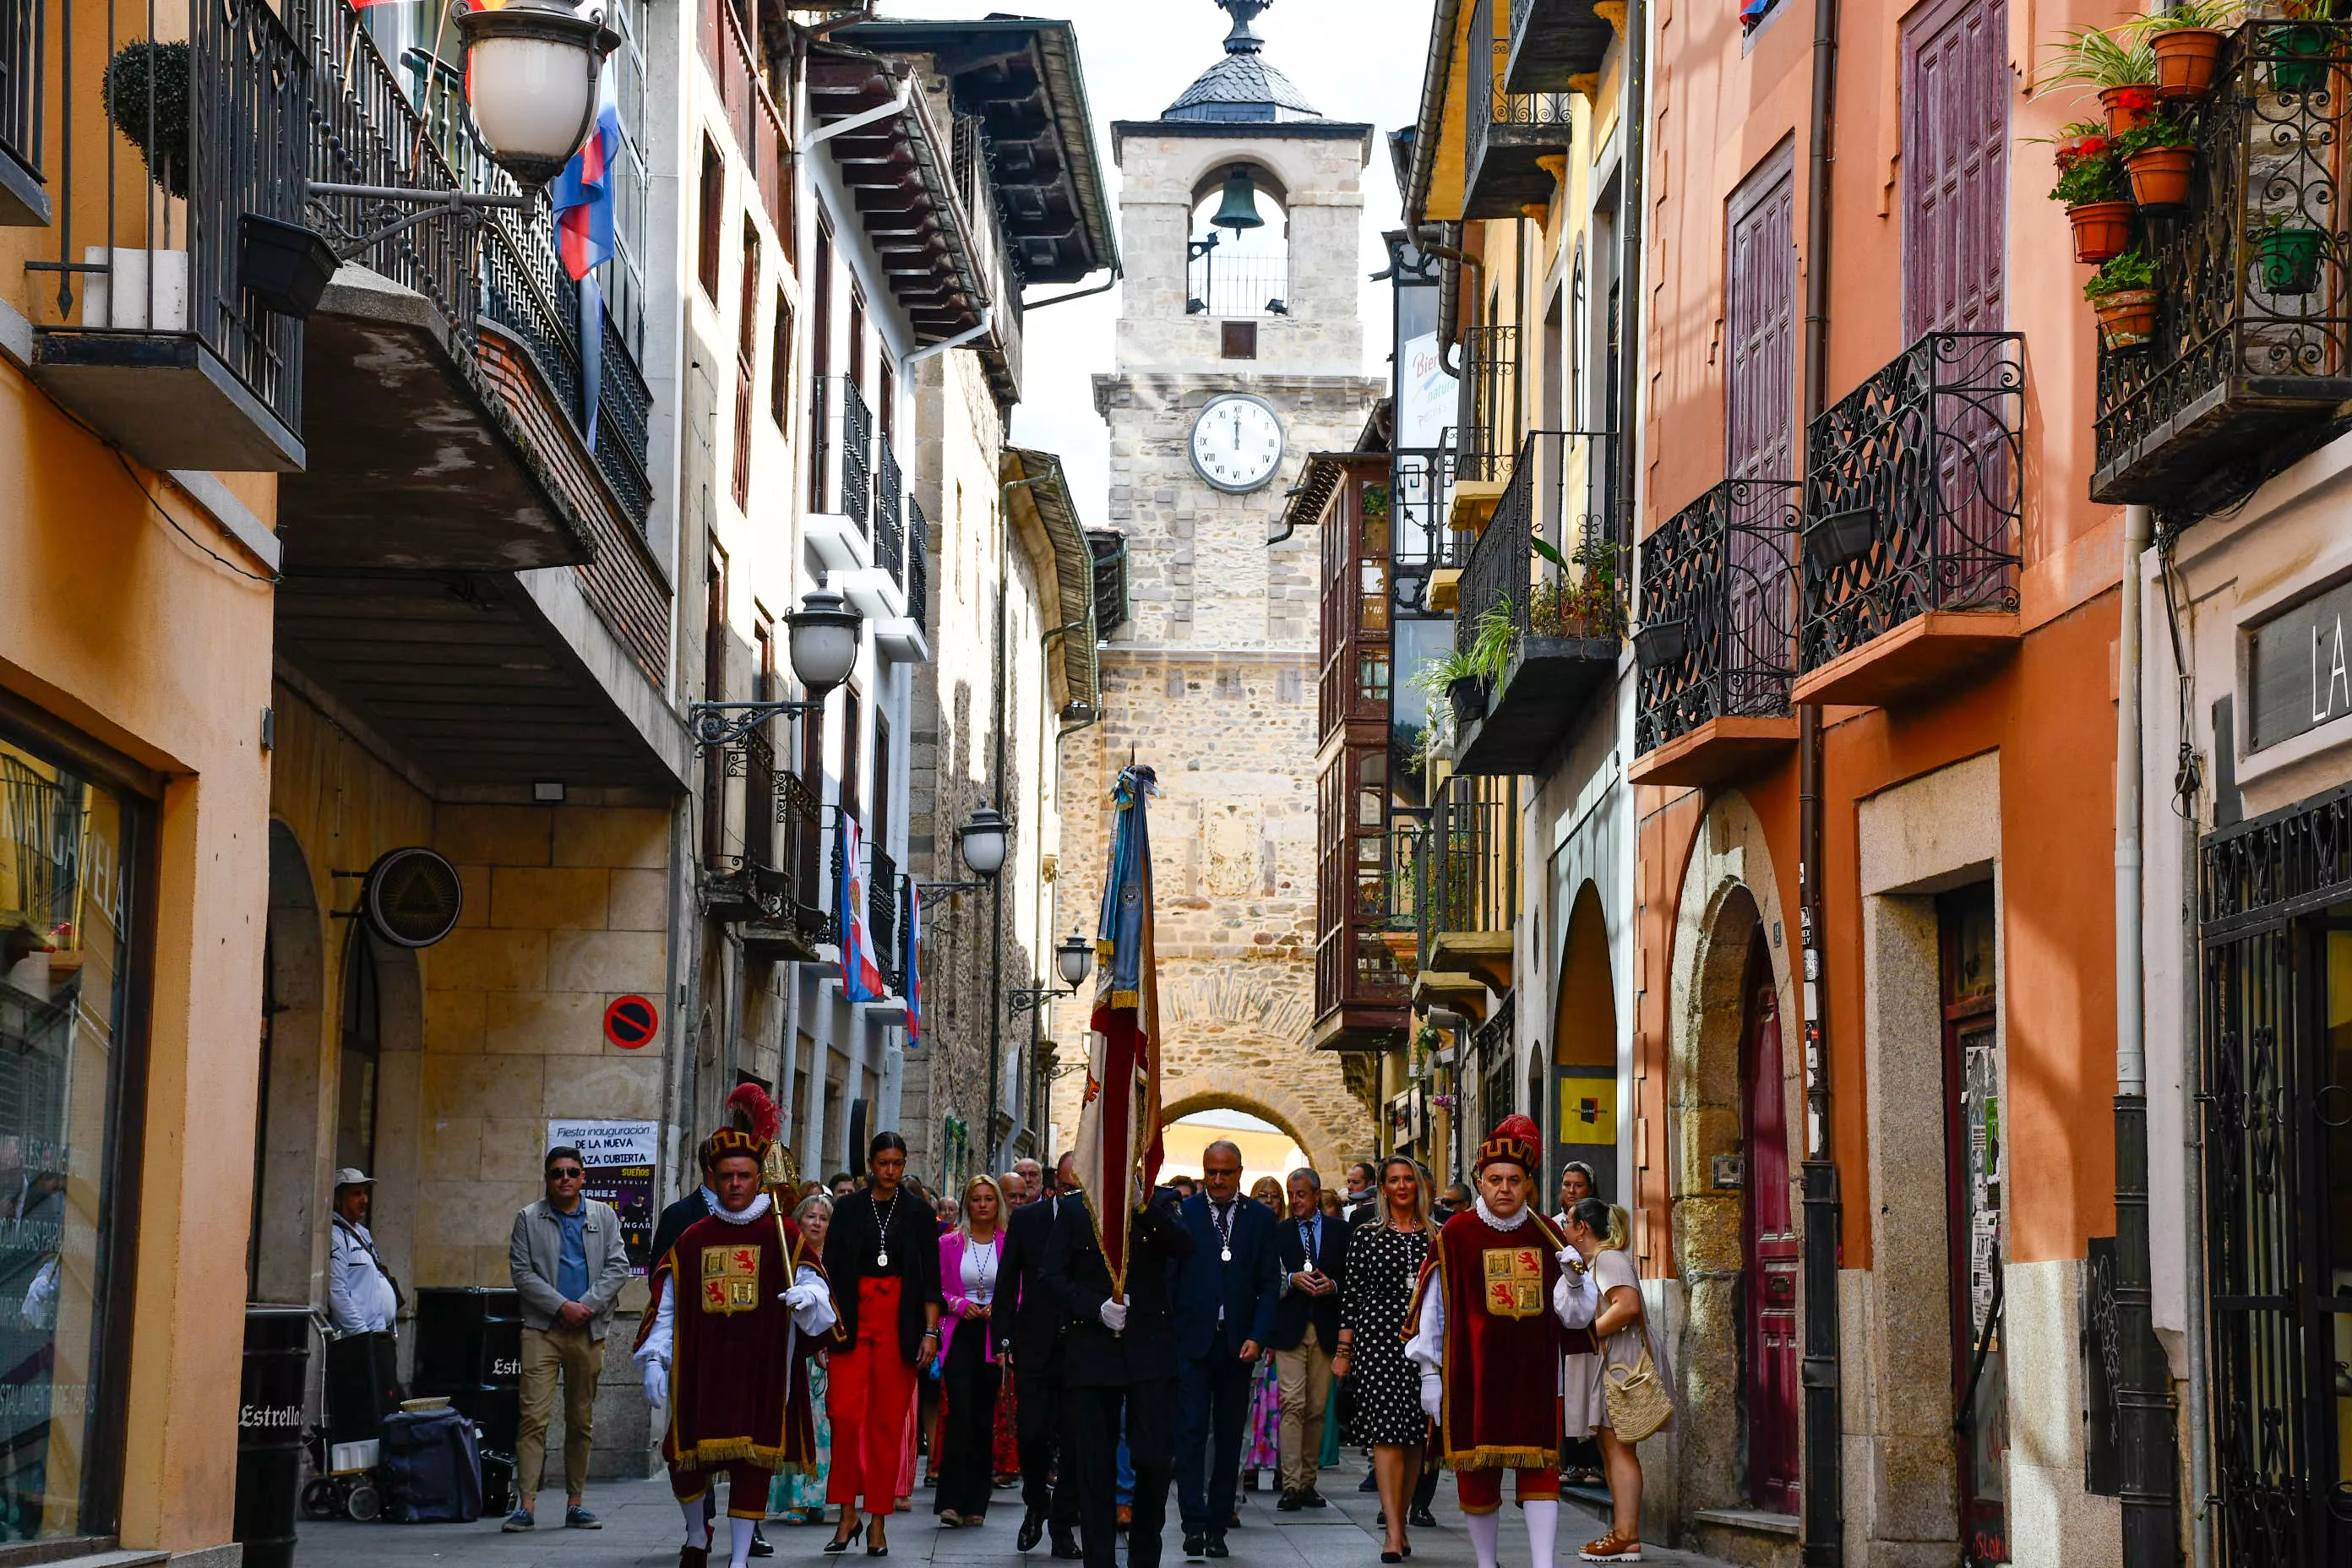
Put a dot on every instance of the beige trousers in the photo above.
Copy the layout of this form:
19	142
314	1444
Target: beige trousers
1305	1374
580	1360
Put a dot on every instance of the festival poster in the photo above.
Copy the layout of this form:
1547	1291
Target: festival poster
619	1157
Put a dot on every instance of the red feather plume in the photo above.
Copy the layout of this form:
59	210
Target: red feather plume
750	1109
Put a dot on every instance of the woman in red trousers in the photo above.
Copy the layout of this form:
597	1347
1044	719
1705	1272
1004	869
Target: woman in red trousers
882	1256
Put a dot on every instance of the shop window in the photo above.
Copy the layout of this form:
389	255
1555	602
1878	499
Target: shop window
69	951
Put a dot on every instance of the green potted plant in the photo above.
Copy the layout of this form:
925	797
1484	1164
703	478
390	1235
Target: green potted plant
2091	187
2187	42
2286	254
2160	155
2123	293
146	93
2118	67
2300	56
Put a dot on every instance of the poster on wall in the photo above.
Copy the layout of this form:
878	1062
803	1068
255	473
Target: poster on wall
1425	396
619	1157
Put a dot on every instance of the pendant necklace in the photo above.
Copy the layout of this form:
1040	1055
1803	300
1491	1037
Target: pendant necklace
882	1254
1224	1224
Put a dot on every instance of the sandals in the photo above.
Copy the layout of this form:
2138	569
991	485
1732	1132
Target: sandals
1613	1548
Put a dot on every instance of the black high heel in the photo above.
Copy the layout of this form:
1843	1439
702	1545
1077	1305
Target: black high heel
842	1543
876	1546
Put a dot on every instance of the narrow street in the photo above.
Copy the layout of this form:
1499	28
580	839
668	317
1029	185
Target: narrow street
641	1525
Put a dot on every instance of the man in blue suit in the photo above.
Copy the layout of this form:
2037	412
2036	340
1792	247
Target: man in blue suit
1225	1296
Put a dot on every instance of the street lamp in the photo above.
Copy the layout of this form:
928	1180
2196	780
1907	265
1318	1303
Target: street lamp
1074	959
985	837
532	66
822	640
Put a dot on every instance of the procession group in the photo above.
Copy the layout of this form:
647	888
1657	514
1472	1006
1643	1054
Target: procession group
1479	1341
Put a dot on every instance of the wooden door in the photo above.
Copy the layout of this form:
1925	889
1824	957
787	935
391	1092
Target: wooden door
1956	86
1769	1329
1760	435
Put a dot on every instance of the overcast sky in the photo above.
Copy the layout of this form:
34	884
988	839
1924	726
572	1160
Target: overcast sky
1353	60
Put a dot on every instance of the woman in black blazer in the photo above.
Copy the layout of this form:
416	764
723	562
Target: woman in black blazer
882	1259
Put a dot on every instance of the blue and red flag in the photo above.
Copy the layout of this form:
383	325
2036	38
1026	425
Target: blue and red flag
1118	1148
582	196
862	979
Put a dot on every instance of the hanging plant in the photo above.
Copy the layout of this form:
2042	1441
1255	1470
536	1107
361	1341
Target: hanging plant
2118	67
146	93
2123	294
2160	154
2286	256
2187	40
2092	186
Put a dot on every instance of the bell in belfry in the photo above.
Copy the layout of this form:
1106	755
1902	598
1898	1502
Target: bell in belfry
1239	209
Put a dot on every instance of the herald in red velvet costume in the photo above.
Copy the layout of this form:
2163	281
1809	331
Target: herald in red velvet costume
738	1373
1503	1344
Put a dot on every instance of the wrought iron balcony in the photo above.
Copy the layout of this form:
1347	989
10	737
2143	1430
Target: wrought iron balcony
790	882
1542	586
882	898
919	571
144	326
1913	484
2252	343
841	453
1717	644
1555	42
889	515
1509	133
1467	899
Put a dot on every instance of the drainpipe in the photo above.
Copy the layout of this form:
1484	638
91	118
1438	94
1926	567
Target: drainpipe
2145	1429
1118	271
2192	1170
987	324
1449	301
1634	119
996	883
1824	1472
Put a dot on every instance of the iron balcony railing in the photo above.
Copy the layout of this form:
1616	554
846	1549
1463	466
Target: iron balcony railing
919	571
889	515
1547	565
153	185
908	958
1468	866
1219	285
2252	277
1483	444
842	446
1420	482
1718	611
1494	113
882	908
366	129
1913	484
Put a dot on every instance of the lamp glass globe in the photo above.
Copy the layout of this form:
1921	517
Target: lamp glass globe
986	839
1076	958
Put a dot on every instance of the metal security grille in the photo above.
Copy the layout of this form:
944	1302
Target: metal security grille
2277	1123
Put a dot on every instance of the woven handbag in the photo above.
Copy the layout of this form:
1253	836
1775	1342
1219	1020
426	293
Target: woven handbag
1635	1401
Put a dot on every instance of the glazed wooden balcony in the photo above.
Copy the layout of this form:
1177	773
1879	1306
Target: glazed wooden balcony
1466	899
1558	45
1717	645
1909	557
2253	346
1512	136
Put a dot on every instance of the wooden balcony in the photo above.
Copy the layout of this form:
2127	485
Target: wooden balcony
1558	45
1518	142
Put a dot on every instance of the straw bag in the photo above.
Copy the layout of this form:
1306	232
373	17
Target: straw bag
1635	1401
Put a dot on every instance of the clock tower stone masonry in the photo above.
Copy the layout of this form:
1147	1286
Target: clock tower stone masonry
1211	681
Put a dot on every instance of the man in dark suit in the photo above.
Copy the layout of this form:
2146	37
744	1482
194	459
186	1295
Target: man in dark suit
1312	1251
1225	1302
1117	1362
1030	1333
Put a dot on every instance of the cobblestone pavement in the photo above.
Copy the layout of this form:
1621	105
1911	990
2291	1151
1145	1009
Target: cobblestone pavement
641	1531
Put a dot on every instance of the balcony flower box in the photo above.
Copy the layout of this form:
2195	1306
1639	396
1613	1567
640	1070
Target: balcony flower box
1837	537
2185	58
284	264
1468	695
1662	644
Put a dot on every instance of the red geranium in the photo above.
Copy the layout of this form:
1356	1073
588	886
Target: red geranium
2135	98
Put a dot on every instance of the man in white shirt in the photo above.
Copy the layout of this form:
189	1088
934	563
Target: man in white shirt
360	1297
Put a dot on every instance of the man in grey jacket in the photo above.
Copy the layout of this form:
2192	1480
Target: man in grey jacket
569	1265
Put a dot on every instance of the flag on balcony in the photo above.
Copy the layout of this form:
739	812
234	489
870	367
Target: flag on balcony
861	978
913	959
582	199
1119	1147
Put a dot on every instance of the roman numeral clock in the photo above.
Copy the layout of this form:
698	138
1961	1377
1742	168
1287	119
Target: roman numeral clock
1237	442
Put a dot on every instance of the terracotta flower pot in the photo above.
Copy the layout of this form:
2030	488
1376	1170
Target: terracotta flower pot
2102	229
2128	106
2159	175
2185	58
2127	317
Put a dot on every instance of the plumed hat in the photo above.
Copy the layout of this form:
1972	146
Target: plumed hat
752	1119
1516	1141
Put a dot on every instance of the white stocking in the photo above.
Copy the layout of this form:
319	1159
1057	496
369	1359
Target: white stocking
1543	1531
743	1528
1485	1534
698	1529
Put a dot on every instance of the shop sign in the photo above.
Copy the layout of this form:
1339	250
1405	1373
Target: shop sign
2300	667
619	1158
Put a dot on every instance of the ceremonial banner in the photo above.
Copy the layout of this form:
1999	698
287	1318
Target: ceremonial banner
862	979
1118	1124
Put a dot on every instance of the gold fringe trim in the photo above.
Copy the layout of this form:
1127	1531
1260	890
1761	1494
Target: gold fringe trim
712	1452
1126	999
1492	1458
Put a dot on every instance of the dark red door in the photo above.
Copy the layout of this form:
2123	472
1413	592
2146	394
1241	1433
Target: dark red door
1768	1280
1956	87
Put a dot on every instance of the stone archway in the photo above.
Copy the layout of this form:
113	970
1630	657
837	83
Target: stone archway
289	1208
1234	1037
1284	1117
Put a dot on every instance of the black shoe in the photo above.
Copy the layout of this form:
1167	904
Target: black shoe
1380	1520
760	1545
1196	1545
1421	1518
1067	1549
1217	1547
1391	1557
1370	1483
1291	1503
842	1543
1310	1497
1033	1529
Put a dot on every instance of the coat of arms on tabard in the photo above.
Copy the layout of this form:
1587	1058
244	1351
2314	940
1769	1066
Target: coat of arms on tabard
1514	1281
730	1279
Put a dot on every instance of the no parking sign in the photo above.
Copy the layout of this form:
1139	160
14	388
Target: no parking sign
630	1022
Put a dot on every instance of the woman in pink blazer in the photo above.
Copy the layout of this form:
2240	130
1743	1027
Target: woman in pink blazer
970	1256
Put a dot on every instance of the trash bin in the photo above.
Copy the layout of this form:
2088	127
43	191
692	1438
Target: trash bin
270	1432
363	1385
469	1347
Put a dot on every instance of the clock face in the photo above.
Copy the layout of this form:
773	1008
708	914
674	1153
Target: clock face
1237	442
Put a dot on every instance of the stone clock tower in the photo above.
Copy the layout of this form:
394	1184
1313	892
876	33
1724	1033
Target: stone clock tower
1240	351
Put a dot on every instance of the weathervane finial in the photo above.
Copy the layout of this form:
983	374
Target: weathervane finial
1243	39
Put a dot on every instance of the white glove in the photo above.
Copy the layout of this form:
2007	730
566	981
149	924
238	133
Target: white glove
800	1298
1113	1315
657	1384
1571	1260
1433	1394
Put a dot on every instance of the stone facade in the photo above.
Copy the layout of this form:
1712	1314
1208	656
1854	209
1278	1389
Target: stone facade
1212	679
